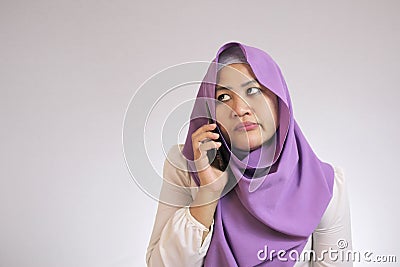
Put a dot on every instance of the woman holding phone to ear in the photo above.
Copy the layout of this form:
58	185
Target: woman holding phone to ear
266	197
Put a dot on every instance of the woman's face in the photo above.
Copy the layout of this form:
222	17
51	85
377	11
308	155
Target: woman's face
246	111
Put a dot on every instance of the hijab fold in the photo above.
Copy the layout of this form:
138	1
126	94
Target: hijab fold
293	186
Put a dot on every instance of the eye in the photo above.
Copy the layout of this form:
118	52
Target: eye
253	90
223	97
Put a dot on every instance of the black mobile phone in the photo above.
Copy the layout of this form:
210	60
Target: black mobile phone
214	155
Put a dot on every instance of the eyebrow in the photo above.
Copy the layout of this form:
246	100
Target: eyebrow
219	87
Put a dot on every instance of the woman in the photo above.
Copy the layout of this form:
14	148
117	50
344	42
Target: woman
265	197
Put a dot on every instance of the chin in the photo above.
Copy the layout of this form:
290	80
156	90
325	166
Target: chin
248	144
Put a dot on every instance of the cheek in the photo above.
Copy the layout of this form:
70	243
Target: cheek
275	111
224	132
222	121
222	115
267	111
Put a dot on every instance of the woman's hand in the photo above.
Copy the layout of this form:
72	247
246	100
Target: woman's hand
211	178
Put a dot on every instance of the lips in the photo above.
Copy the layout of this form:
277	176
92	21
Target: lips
247	125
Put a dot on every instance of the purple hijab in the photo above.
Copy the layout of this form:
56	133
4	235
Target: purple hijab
288	204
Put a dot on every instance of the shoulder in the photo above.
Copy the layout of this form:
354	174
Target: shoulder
176	187
339	178
175	168
338	207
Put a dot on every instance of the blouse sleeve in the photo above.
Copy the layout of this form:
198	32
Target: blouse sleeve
176	239
334	231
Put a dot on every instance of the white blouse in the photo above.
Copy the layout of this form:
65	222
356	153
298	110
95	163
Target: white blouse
176	239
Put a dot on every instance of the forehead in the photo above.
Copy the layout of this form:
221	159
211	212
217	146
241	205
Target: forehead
235	76
234	73
238	76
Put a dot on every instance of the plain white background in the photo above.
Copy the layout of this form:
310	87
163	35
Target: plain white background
69	68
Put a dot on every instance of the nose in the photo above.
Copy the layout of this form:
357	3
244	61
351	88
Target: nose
240	107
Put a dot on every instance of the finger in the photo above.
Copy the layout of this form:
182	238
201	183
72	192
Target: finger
207	136
202	161
204	147
204	128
